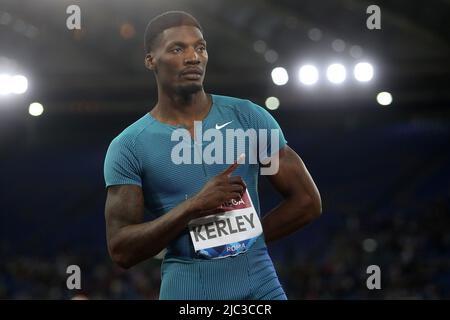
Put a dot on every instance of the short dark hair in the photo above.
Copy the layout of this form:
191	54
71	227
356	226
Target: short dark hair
165	21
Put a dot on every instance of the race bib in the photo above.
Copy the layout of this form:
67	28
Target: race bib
233	230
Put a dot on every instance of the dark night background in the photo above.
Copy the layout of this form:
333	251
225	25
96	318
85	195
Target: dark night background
383	171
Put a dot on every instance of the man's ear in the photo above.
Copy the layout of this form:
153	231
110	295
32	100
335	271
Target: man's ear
149	61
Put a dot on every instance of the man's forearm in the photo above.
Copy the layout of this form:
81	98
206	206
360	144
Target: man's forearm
289	216
135	243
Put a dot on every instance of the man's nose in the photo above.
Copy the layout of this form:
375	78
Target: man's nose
191	57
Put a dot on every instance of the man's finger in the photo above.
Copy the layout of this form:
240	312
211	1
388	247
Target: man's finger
228	171
233	167
237	180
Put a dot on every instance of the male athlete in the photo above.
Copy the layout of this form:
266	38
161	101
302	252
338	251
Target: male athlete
206	214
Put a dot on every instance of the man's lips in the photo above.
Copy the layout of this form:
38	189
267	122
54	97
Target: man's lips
192	76
193	71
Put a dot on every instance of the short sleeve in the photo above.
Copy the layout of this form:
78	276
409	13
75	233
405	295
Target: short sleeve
274	140
121	163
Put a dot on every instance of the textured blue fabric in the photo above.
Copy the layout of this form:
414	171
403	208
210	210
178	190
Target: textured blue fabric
141	155
247	276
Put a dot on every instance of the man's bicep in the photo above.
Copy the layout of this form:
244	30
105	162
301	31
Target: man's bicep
124	206
292	177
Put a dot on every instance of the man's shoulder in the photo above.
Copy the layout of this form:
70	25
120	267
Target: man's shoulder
229	100
131	133
243	106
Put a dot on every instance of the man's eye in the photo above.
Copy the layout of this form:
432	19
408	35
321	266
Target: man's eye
176	50
201	48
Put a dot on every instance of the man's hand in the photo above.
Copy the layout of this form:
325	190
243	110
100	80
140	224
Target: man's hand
215	192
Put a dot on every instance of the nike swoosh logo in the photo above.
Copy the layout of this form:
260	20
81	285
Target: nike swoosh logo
223	125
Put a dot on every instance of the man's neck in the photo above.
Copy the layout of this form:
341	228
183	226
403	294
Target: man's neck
176	109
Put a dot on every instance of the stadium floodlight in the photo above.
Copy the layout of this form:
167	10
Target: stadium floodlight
308	74
19	84
336	73
272	103
384	98
5	84
279	76
35	109
363	72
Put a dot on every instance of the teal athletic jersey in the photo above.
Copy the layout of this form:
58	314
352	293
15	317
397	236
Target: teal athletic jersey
143	155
